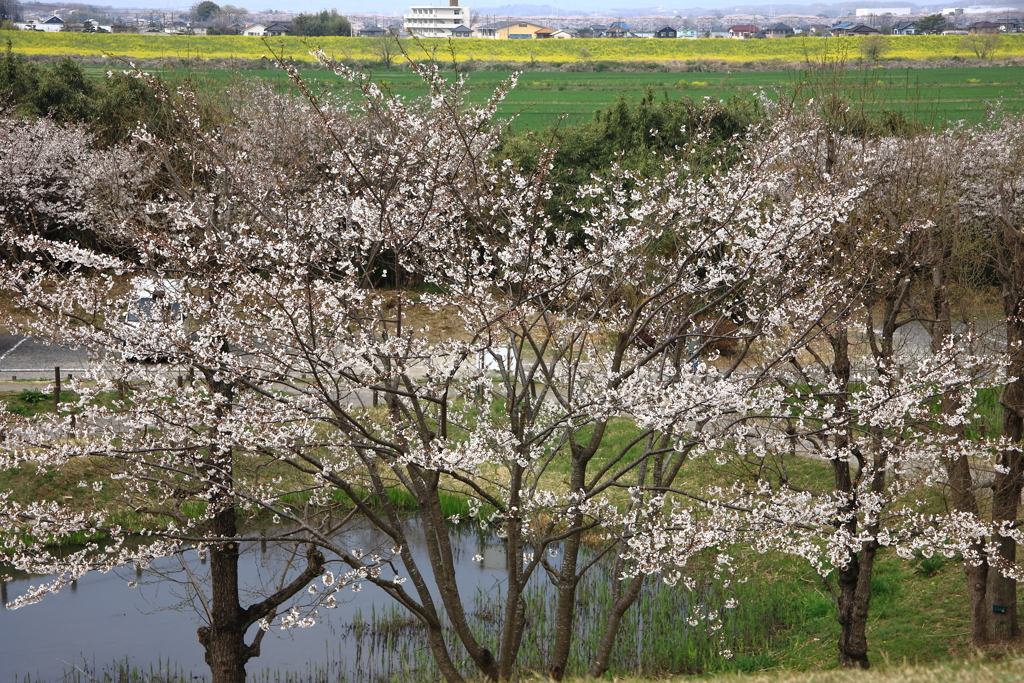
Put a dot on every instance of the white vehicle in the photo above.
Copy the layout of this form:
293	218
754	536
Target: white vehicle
155	307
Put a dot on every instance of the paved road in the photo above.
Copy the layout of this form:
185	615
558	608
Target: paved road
28	358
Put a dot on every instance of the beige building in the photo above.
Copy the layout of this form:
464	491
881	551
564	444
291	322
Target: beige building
513	30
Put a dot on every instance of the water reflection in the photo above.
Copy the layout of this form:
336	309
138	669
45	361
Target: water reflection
102	620
368	637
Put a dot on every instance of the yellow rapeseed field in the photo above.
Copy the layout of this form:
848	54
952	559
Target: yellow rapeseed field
221	47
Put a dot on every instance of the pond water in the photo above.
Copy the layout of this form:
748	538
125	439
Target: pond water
101	622
100	619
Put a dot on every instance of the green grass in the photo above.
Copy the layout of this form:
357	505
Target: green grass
932	96
975	670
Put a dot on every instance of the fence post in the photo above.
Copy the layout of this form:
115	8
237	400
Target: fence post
56	388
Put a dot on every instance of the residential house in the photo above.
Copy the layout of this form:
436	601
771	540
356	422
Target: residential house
562	34
618	31
278	28
50	25
372	32
778	31
984	27
688	33
905	28
851	29
666	32
437	21
743	31
462	31
254	30
598	30
510	30
817	30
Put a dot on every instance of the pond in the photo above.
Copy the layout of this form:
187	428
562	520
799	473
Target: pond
101	623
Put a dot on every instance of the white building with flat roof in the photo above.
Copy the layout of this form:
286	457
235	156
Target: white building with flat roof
879	11
438	21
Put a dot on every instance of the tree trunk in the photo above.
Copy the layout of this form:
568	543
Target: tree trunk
853	603
224	638
1002	591
977	580
855	578
602	659
961	485
566	610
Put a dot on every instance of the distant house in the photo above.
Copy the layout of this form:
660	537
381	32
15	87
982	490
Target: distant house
279	28
598	30
905	28
688	33
743	31
984	27
50	25
255	30
778	31
864	30
200	28
817	30
372	32
512	30
849	29
666	32
562	34
616	31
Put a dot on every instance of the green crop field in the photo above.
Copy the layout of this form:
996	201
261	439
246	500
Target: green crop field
933	96
220	47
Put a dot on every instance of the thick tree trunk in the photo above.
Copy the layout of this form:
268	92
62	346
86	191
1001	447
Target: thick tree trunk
435	641
961	487
565	612
854	579
853	603
977	580
224	638
1002	591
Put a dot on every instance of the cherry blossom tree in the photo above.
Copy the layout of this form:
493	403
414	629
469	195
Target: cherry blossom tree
300	252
